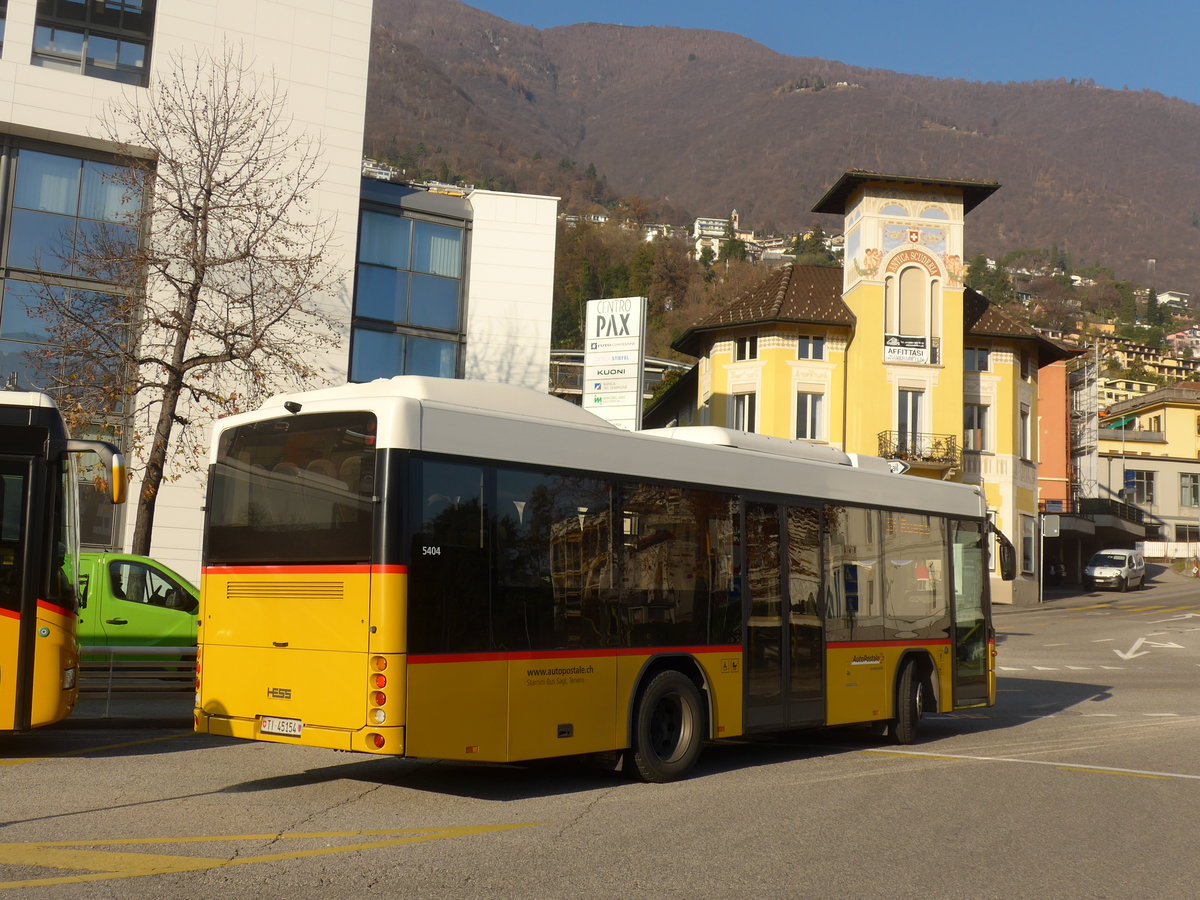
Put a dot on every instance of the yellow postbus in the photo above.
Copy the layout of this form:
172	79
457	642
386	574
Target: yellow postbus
447	569
39	547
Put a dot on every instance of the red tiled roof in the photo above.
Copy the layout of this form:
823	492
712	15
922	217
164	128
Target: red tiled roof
986	319
810	295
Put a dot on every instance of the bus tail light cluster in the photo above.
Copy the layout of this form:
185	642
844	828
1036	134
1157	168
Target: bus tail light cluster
197	677
377	699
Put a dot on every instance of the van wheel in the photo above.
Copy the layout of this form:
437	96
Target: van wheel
667	728
1122	585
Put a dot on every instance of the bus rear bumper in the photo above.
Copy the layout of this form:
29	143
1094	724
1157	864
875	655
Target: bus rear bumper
365	740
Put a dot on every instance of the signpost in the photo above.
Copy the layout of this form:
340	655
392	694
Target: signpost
614	357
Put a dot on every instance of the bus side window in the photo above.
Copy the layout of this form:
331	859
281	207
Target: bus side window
449	567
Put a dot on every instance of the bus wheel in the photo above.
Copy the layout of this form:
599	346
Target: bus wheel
910	705
667	728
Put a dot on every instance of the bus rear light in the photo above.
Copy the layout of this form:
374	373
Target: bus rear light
375	740
379	680
378	663
378	717
379	698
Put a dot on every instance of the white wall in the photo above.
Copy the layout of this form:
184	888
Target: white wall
317	50
510	286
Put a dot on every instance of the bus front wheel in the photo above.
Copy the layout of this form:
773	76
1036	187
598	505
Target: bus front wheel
910	705
667	728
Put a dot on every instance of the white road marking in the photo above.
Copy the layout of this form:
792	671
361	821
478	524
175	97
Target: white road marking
1036	762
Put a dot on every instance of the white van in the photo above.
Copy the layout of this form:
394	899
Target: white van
1121	569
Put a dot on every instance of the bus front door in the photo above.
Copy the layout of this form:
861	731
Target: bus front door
784	636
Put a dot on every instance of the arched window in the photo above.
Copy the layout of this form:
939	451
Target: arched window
910	304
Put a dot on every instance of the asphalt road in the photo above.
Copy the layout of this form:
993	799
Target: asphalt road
1083	781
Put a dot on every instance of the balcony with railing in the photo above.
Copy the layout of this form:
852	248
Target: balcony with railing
921	449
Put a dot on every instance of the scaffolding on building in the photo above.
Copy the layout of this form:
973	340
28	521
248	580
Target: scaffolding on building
1083	378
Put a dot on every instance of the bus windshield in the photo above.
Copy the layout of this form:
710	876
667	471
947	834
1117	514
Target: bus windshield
295	489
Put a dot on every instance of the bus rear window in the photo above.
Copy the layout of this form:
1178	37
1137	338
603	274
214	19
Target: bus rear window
294	490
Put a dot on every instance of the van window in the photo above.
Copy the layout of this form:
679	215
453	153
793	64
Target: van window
1108	558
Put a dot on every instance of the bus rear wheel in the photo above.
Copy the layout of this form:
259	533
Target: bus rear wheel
910	705
667	728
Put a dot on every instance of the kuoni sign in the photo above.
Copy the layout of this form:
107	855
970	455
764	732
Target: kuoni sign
614	356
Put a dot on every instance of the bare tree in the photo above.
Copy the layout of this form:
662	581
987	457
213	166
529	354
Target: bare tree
217	268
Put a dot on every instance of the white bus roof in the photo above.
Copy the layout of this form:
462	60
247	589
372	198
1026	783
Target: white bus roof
27	399
505	423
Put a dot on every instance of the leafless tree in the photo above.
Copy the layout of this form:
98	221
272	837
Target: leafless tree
217	272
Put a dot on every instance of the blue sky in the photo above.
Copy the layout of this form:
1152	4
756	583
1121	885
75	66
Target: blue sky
1143	44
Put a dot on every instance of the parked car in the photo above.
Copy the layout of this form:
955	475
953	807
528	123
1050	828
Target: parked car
1120	568
134	601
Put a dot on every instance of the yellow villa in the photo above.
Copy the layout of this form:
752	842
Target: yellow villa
890	355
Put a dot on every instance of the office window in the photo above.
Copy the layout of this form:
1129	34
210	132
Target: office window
975	359
745	348
1189	489
1024	437
1140	487
408	298
808	416
975	436
811	347
63	206
109	39
1189	533
745	415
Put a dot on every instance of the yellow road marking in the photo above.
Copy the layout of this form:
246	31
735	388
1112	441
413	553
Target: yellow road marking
106	865
86	750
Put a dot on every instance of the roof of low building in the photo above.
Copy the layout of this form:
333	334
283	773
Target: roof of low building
810	295
986	319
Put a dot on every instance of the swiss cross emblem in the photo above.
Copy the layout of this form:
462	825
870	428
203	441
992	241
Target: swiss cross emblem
914	236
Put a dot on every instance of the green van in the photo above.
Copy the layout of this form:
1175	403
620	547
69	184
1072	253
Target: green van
133	601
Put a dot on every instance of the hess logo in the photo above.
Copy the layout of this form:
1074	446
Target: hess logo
279	693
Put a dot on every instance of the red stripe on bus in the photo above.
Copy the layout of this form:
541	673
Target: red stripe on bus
54	608
898	642
351	569
518	655
10	613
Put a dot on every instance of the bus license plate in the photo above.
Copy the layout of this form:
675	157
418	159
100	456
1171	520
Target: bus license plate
288	727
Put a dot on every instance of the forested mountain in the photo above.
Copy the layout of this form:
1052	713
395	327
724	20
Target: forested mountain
687	122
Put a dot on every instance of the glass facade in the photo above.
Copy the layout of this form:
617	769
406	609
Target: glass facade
408	300
69	219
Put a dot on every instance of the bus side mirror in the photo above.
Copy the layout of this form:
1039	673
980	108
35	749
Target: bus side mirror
1008	555
113	461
